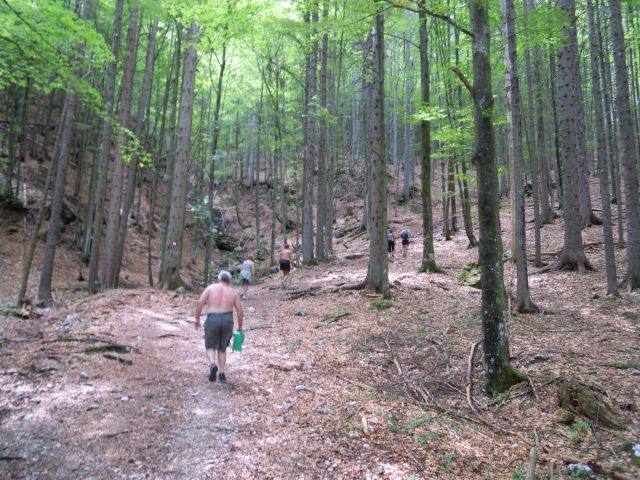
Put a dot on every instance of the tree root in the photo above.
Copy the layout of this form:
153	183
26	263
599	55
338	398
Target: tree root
566	262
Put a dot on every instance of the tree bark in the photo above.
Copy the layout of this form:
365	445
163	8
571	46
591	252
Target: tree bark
377	271
117	175
428	252
627	147
499	374
603	171
309	137
170	271
105	146
567	98
132	169
516	160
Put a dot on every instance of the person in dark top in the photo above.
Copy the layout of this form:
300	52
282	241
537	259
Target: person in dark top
391	244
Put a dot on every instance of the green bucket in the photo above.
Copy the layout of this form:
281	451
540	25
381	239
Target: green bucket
238	339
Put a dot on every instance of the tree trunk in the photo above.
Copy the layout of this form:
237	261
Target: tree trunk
210	234
428	252
117	176
499	374
105	147
516	160
170	271
57	197
573	255
377	271
603	173
627	147
321	205
309	138
132	169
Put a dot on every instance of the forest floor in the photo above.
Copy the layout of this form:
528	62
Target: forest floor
327	385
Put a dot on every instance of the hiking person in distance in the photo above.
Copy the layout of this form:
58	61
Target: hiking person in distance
391	244
285	260
221	300
405	235
247	273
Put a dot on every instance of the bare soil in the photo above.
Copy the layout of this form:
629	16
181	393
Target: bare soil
327	385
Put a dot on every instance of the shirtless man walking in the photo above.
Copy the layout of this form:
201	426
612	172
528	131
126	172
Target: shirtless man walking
285	259
221	299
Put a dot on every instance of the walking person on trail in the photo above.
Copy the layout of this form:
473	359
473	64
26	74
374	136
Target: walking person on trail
391	244
247	273
405	235
221	300
285	259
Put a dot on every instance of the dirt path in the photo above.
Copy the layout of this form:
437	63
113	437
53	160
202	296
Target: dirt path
71	415
324	388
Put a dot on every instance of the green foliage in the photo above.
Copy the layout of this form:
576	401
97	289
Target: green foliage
577	431
10	310
381	304
40	44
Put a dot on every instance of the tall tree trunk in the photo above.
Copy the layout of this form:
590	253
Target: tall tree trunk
321	204
532	146
428	252
132	169
407	150
210	235
170	271
105	147
603	173
377	271
57	197
627	147
309	138
567	98
516	160
168	175
117	176
499	374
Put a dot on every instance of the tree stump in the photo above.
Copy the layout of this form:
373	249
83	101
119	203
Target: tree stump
578	398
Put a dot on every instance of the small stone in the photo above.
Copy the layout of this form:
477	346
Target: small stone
301	312
352	403
279	420
251	310
312	431
286	406
580	469
307	366
326	410
84	376
70	321
300	388
36	400
20	395
93	406
124	399
247	461
328	442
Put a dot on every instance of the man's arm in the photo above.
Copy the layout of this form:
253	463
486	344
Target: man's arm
239	311
201	301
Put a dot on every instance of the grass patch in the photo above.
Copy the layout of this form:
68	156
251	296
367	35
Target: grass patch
382	304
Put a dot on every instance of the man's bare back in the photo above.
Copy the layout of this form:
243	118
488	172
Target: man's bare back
285	254
220	298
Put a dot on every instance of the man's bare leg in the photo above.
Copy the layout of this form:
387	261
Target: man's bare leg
213	368
222	360
211	355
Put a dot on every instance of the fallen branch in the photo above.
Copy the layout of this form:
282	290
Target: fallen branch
303	293
470	377
329	319
124	361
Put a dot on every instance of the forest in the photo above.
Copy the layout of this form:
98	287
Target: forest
148	145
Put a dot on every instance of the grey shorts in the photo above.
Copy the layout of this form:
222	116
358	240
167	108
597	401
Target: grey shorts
218	330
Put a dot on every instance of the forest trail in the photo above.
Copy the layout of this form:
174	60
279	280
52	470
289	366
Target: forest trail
324	387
